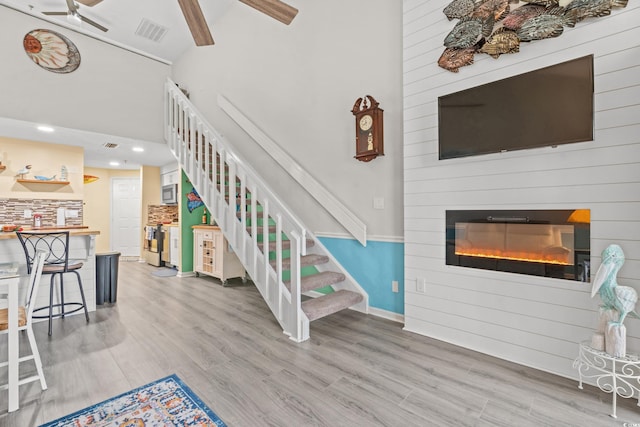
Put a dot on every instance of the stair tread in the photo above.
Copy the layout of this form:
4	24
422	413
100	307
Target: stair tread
325	305
305	261
317	281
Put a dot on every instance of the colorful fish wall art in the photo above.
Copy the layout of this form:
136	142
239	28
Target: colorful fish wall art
497	27
193	200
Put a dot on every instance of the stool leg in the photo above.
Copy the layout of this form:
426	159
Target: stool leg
62	295
52	285
84	303
36	357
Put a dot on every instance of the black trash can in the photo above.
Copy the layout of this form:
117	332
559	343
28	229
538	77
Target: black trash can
107	277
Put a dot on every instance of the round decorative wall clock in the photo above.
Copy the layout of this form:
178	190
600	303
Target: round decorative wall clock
52	51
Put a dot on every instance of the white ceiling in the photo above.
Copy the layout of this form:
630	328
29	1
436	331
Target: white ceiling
96	154
122	18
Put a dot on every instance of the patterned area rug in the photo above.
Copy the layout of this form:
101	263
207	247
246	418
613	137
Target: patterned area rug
166	402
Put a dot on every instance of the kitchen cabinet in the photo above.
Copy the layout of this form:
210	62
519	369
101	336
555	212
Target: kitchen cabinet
172	177
171	245
174	242
213	256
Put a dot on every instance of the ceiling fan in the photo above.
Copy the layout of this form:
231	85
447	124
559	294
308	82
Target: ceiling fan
198	24
72	13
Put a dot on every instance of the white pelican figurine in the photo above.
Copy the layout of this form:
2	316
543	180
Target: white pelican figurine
620	298
22	172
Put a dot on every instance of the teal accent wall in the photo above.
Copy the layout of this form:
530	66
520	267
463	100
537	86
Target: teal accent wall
187	220
374	267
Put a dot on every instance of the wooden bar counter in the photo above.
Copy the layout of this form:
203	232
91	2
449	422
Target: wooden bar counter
82	247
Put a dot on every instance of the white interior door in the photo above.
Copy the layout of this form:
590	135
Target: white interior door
125	216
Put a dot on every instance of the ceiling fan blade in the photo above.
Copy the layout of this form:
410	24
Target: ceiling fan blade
274	8
89	2
92	22
196	22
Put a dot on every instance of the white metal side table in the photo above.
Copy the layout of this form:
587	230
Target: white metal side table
619	376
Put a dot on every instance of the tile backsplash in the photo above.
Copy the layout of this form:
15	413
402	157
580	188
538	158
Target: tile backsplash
157	214
12	211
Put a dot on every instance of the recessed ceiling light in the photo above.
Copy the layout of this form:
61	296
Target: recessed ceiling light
114	164
43	128
138	149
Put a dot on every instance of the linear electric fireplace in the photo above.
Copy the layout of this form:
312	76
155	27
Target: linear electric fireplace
550	243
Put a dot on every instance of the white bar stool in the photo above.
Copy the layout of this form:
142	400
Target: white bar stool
25	322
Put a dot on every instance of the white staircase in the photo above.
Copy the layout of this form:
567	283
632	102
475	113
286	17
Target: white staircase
257	224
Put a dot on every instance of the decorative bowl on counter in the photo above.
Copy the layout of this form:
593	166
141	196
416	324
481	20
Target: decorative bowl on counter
11	227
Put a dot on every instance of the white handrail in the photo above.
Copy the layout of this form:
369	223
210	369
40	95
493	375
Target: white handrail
326	199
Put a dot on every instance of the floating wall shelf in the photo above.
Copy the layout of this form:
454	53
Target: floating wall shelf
41	181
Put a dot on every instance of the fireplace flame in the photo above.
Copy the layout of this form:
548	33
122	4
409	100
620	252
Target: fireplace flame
546	258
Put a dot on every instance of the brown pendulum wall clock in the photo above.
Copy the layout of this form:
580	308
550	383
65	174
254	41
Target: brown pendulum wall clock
369	131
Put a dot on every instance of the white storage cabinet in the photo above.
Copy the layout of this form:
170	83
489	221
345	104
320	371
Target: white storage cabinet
213	256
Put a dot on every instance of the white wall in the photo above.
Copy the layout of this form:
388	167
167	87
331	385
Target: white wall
113	91
531	320
298	83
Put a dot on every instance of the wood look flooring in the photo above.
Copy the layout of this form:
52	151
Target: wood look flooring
356	370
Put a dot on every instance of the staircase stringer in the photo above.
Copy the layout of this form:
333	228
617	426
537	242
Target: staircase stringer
234	193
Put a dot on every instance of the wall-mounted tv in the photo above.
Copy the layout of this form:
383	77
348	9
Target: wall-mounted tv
545	107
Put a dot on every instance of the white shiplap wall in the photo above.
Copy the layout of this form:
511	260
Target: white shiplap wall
534	321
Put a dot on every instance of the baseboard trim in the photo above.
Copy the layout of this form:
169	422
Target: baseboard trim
185	274
385	314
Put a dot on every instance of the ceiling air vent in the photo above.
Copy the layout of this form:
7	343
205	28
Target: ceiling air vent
110	145
150	30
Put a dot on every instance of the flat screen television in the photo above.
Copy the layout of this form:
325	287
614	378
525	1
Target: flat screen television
545	107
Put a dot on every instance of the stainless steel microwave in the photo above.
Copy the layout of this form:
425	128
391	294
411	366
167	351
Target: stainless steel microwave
170	194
